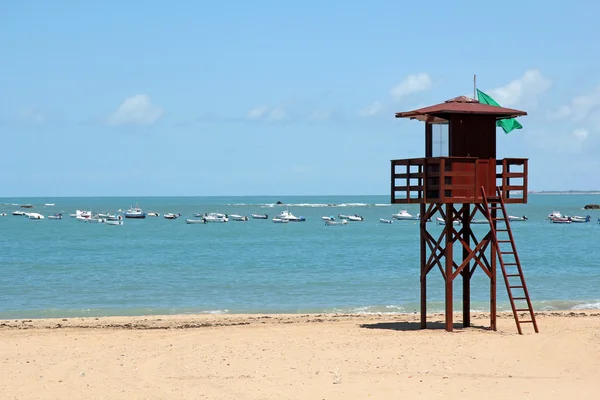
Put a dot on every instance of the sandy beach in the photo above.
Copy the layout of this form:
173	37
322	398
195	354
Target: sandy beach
316	356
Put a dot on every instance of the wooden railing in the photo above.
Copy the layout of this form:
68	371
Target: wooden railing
457	180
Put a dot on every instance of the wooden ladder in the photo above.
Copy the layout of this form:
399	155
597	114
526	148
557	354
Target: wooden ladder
492	205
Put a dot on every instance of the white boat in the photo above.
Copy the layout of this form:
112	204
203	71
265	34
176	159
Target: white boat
195	221
55	216
34	215
49	205
103	215
342	216
330	218
114	222
288	216
152	214
512	218
236	217
480	222
260	216
404	215
385	221
134	212
355	218
280	220
113	217
333	223
555	214
19	213
3	214
171	216
81	213
580	220
442	221
560	220
215	217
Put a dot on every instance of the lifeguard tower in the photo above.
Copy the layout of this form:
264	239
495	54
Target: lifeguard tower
465	181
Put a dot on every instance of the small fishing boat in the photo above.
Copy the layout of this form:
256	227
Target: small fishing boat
152	214
195	221
112	217
236	217
288	216
260	216
114	222
560	220
280	220
49	205
334	223
385	221
3	214
215	217
555	214
18	213
55	216
355	218
330	218
441	221
512	218
134	212
34	215
403	215
342	216
171	216
580	220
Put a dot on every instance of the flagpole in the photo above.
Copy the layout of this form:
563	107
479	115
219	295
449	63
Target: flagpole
474	86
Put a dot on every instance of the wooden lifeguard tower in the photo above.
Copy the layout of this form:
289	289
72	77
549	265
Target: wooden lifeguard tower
466	181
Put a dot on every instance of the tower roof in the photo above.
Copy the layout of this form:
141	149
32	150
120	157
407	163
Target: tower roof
439	113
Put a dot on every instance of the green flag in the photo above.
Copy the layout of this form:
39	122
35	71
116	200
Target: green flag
508	124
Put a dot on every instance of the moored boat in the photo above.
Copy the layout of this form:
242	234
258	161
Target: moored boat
560	220
55	216
441	221
236	217
385	221
134	212
579	220
260	216
334	223
288	216
114	222
152	214
195	221
171	216
280	220
215	217
404	215
330	218
34	215
512	218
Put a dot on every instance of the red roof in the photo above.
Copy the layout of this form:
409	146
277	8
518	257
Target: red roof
440	113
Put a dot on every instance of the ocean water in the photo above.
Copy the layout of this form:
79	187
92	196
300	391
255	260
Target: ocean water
65	268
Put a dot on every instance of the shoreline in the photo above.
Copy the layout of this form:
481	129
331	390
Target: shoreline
192	321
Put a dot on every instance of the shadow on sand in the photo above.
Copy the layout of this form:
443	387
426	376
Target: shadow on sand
416	325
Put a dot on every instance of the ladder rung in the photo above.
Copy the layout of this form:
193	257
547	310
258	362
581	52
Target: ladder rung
519	298
507	252
509	275
522	309
516	287
501	230
526	322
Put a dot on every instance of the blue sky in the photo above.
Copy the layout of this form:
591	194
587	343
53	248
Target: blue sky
270	97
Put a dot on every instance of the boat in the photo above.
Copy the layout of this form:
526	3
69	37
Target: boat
195	221
442	221
260	216
342	216
289	216
385	221
280	220
579	220
134	212
560	220
334	223
215	217
555	214
81	213
3	214
512	218
102	215
34	215
236	217
355	218
55	216
49	205
171	216
114	222
112	217
26	206
152	214
479	222
404	215
18	213
330	218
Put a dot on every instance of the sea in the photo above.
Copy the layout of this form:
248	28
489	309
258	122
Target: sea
66	268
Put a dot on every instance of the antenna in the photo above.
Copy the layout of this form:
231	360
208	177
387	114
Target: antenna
475	86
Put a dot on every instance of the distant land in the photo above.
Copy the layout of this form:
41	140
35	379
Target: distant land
565	192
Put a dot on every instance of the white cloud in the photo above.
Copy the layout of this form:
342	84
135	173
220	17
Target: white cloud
257	112
580	108
523	90
266	113
136	110
580	134
371	110
33	116
411	84
319	115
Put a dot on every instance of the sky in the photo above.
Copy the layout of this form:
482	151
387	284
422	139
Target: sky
198	98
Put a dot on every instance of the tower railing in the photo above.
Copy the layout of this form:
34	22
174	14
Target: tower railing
457	179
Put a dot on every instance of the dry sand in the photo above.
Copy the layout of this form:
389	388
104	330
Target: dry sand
298	357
